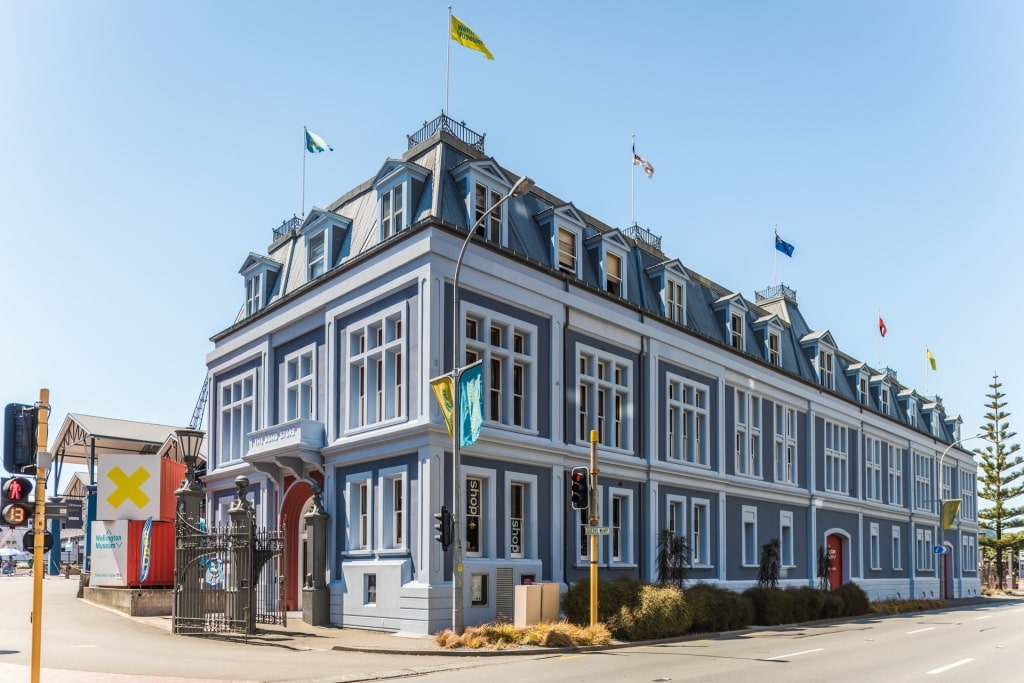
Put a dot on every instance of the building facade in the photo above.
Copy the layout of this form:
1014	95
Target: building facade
726	420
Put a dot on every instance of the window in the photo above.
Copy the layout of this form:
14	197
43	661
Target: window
836	458
484	199
748	434
376	349
392	211
616	528
968	554
968	493
749	536
872	469
675	301
825	370
300	385
736	331
393	496
774	349
895	476
567	251
883	400
370	592
613	274
237	416
507	349
686	419
785	445
517	510
675	520
897	549
521	512
786	558
863	395
874	551
923	476
253	294
474	516
605	399
316	255
363	500
359	502
478	590
621	527
948	472
912	412
924	550
700	533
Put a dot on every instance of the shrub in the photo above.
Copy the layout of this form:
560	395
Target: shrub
772	606
833	606
612	596
713	609
808	604
855	600
904	606
660	613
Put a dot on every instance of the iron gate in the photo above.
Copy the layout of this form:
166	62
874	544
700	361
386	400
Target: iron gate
227	578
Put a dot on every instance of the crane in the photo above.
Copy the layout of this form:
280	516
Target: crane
200	410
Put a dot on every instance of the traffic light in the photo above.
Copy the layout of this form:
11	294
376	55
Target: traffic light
580	488
14	506
20	422
443	527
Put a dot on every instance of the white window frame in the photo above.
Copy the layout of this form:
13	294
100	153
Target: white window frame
614	282
509	366
773	347
528	548
837	457
700	533
826	368
377	348
254	293
299	390
675	300
748	535
736	329
393	530
924	476
786	445
968	496
487	544
621	530
924	550
493	227
874	549
316	260
894	463
604	381
359	523
562	251
787	555
394	207
686	420
883	399
873	468
238	415
968	553
675	515
897	549
747	440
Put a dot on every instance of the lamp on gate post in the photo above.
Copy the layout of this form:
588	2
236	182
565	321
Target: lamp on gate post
189	441
942	504
521	186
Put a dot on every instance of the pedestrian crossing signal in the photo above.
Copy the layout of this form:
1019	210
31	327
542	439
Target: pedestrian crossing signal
580	479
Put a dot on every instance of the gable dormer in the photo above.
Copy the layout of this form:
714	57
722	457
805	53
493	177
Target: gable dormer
324	235
953	424
860	377
611	249
881	390
670	279
397	184
481	184
732	310
934	417
260	275
910	403
821	348
565	228
770	329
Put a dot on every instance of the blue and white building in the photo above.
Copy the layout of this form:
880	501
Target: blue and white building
729	420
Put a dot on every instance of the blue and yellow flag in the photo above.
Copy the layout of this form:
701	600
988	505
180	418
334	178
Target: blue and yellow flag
950	509
471	403
445	395
464	35
930	357
315	143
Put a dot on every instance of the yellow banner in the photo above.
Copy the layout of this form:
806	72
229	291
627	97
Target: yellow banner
950	509
445	393
464	35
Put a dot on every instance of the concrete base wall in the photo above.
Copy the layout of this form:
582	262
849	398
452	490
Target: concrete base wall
136	602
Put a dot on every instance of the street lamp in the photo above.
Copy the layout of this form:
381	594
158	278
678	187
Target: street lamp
521	186
189	441
942	502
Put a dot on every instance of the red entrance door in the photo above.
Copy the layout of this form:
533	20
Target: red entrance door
835	552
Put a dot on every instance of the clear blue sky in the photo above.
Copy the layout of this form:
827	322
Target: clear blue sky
148	147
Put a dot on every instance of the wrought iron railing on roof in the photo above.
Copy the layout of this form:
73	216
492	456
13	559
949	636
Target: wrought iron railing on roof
643	235
286	226
774	292
448	125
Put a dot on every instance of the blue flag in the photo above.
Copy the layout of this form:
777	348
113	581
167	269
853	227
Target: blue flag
315	143
471	403
783	246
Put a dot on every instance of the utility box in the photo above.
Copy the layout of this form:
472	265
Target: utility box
536	603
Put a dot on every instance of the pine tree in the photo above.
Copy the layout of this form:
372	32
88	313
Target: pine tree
1000	480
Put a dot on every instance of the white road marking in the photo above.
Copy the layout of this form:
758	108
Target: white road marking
987	616
795	654
942	669
922	630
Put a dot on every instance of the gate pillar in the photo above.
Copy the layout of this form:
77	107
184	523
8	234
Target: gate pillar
186	609
241	603
316	601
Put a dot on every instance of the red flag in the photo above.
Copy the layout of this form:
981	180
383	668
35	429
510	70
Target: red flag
881	326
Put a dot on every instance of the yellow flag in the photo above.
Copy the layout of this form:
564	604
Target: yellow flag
443	390
950	509
465	36
929	356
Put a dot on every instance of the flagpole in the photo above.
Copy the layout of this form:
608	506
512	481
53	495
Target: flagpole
775	266
448	61
632	186
927	364
880	339
303	214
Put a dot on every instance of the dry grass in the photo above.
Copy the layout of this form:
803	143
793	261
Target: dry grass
502	636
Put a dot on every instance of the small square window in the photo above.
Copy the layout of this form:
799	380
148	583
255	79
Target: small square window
371	589
478	589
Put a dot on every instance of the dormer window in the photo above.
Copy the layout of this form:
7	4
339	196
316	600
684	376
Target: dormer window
670	278
883	399
253	293
316	256
736	331
613	274
392	211
260	275
567	251
826	375
398	184
490	228
912	411
733	311
675	301
862	390
774	348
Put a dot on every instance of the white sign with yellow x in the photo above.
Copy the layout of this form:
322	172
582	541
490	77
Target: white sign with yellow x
127	486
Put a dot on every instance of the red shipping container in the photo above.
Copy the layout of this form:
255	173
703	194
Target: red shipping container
171	475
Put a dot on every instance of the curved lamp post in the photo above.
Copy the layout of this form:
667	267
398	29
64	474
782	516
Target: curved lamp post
942	501
521	186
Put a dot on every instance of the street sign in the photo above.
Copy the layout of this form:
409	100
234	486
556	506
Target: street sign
29	540
596	530
940	550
